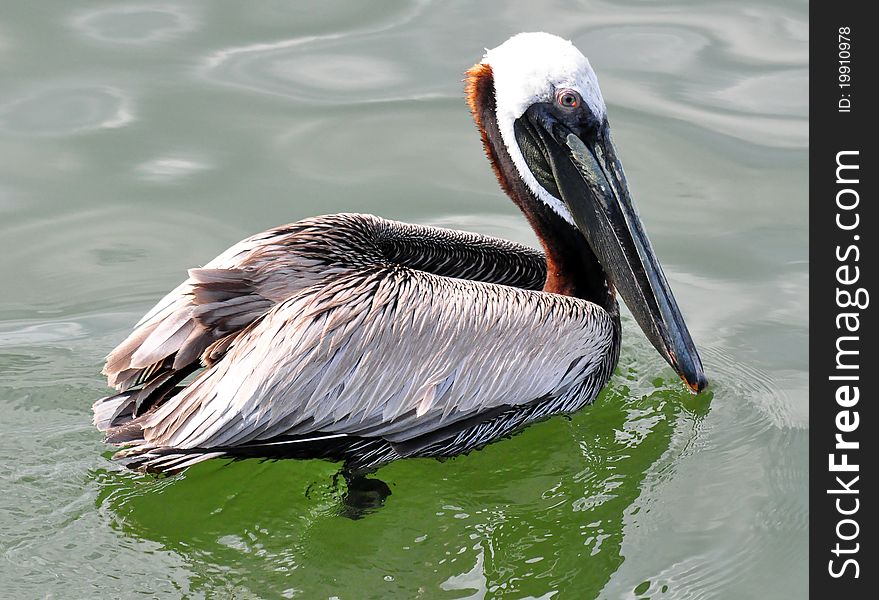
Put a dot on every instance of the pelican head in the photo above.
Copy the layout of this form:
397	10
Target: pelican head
536	101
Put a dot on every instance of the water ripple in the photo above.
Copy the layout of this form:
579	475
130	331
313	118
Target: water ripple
137	25
108	257
741	75
650	48
320	68
734	377
170	169
67	109
784	93
39	333
756	35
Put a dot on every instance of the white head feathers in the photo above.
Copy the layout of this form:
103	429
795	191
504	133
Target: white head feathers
529	68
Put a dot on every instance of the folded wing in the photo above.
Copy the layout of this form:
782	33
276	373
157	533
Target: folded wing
248	279
386	352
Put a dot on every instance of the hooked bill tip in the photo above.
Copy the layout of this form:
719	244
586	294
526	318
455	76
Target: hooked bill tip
698	383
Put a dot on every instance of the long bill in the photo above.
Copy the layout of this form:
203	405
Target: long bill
591	182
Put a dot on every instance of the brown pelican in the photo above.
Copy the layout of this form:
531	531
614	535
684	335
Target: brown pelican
364	340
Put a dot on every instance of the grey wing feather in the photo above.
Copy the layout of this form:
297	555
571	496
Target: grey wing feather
373	354
227	294
248	279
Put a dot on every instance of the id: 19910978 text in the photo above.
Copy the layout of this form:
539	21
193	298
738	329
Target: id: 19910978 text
844	76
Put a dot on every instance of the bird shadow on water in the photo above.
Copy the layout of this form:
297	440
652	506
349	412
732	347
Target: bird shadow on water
541	512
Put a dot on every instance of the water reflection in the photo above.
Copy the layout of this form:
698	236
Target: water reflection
486	523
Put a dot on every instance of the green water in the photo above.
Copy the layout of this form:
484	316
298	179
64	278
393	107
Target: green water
139	139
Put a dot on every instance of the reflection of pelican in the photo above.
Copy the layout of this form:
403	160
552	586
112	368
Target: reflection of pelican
355	338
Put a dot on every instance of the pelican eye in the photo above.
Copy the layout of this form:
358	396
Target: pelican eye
567	98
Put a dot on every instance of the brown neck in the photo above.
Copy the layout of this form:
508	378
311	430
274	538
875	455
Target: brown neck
571	266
